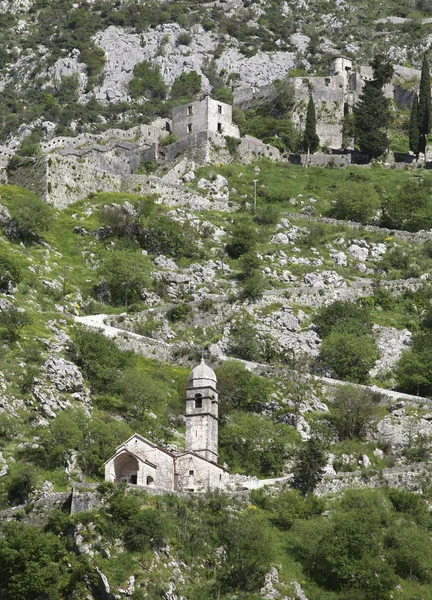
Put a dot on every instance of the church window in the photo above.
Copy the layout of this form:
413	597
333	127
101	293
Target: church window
198	401
133	479
149	480
189	111
220	109
219	127
189	128
191	472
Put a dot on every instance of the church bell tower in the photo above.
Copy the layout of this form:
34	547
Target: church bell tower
202	406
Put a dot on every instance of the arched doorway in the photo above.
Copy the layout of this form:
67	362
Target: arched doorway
126	468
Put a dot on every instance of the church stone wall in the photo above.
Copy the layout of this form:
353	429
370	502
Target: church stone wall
205	475
164	472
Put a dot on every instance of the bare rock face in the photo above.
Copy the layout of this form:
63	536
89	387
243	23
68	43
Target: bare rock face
160	46
268	591
391	343
64	375
399	430
15	6
66	67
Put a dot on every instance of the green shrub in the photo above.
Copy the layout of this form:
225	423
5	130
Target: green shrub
21	483
344	317
349	355
409	208
99	358
179	313
239	389
10	272
161	235
243	239
253	444
170	138
356	201
126	275
187	85
12	322
353	411
253	286
184	39
30	215
147	81
145	530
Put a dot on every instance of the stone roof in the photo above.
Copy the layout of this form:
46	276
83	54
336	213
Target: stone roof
202	376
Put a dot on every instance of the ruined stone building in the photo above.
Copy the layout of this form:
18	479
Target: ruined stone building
139	461
207	115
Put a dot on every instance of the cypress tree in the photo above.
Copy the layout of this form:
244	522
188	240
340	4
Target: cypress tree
310	139
372	114
424	106
414	130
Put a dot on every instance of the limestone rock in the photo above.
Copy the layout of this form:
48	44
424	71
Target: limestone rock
66	67
339	258
64	374
268	591
358	252
391	343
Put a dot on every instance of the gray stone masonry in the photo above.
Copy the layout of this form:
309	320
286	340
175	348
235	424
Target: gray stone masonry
203	115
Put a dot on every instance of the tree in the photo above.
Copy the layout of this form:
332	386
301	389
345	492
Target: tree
354	410
349	355
126	275
30	216
309	467
31	564
414	130
372	114
12	322
424	105
249	546
310	138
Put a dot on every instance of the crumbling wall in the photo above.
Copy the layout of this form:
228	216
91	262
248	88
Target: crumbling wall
33	175
72	179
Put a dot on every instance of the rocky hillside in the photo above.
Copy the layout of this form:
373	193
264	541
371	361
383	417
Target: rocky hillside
314	309
68	67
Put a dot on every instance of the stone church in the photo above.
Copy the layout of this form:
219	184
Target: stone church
139	461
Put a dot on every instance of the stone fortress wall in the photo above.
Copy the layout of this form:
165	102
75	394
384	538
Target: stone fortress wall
72	167
334	95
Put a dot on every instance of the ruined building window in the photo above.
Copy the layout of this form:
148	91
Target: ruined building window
189	128
149	480
189	111
191	472
134	479
219	127
198	401
220	109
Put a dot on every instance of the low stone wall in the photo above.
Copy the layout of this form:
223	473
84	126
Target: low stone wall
141	133
251	148
321	160
411	478
418	237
